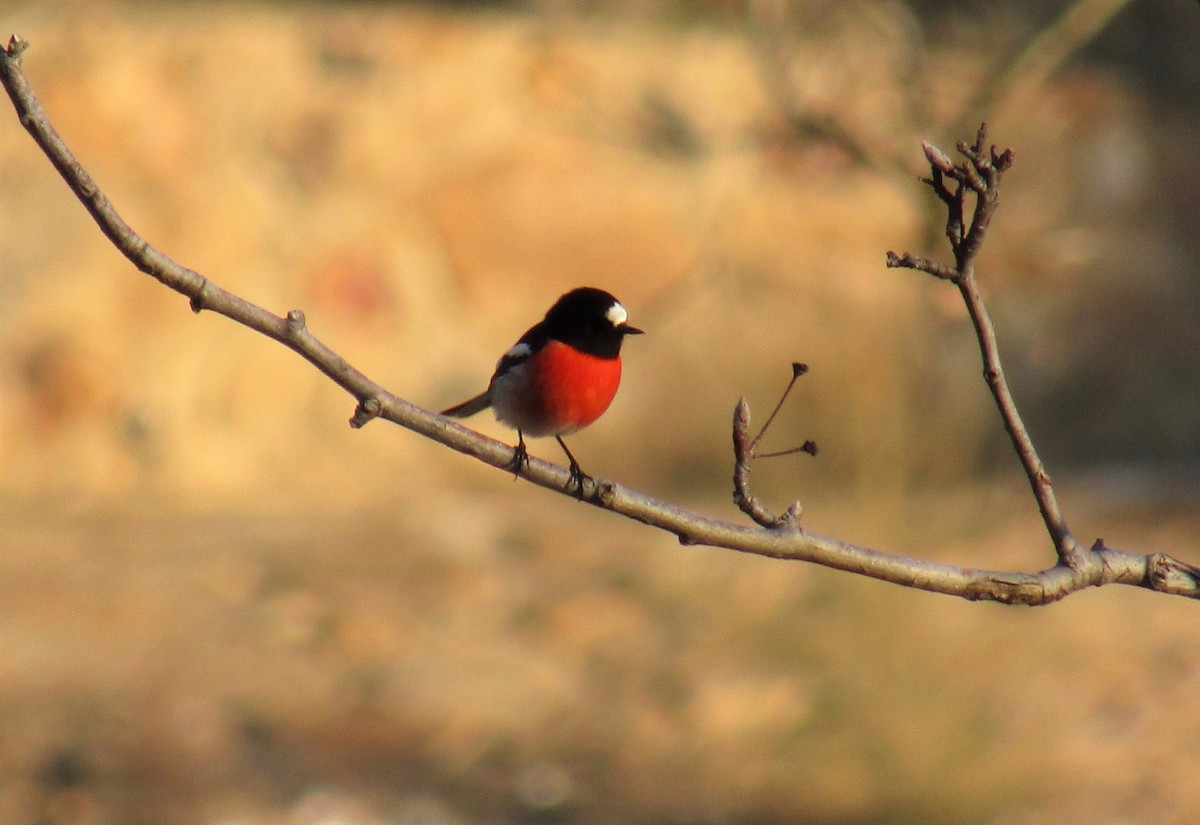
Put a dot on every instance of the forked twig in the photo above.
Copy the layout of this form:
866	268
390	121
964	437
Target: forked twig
745	450
1103	565
979	175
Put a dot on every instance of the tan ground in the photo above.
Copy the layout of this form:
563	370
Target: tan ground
219	604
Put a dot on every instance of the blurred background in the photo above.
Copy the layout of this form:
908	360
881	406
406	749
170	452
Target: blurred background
220	604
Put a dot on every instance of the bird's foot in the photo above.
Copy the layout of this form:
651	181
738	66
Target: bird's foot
577	479
520	459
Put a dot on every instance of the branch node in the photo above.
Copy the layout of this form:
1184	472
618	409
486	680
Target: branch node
937	183
790	520
604	492
367	410
199	301
296	323
1168	575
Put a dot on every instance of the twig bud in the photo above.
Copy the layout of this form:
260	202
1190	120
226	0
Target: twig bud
938	159
741	415
367	410
16	45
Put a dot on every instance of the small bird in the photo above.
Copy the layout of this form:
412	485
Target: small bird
560	376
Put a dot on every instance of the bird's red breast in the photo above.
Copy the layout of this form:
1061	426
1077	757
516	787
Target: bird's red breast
568	389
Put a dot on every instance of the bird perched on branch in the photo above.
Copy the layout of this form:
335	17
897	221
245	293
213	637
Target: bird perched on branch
560	376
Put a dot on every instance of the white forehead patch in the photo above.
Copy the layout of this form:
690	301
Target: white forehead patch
616	314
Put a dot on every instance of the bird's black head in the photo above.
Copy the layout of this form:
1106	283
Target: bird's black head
591	320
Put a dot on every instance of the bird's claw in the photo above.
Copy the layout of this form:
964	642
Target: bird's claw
520	459
577	479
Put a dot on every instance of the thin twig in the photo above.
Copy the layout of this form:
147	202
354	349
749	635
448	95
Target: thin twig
907	260
798	370
1106	565
743	454
980	174
745	450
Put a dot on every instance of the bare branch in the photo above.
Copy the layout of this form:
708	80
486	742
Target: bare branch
798	370
743	454
909	261
745	450
1101	565
809	447
981	173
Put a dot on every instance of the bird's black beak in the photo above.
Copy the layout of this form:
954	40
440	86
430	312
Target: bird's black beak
628	330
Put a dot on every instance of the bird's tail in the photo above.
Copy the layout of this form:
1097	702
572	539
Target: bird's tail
469	407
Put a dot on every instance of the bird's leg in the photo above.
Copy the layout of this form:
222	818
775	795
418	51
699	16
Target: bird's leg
520	459
578	476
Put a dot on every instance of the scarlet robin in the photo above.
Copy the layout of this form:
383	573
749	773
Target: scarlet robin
560	376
